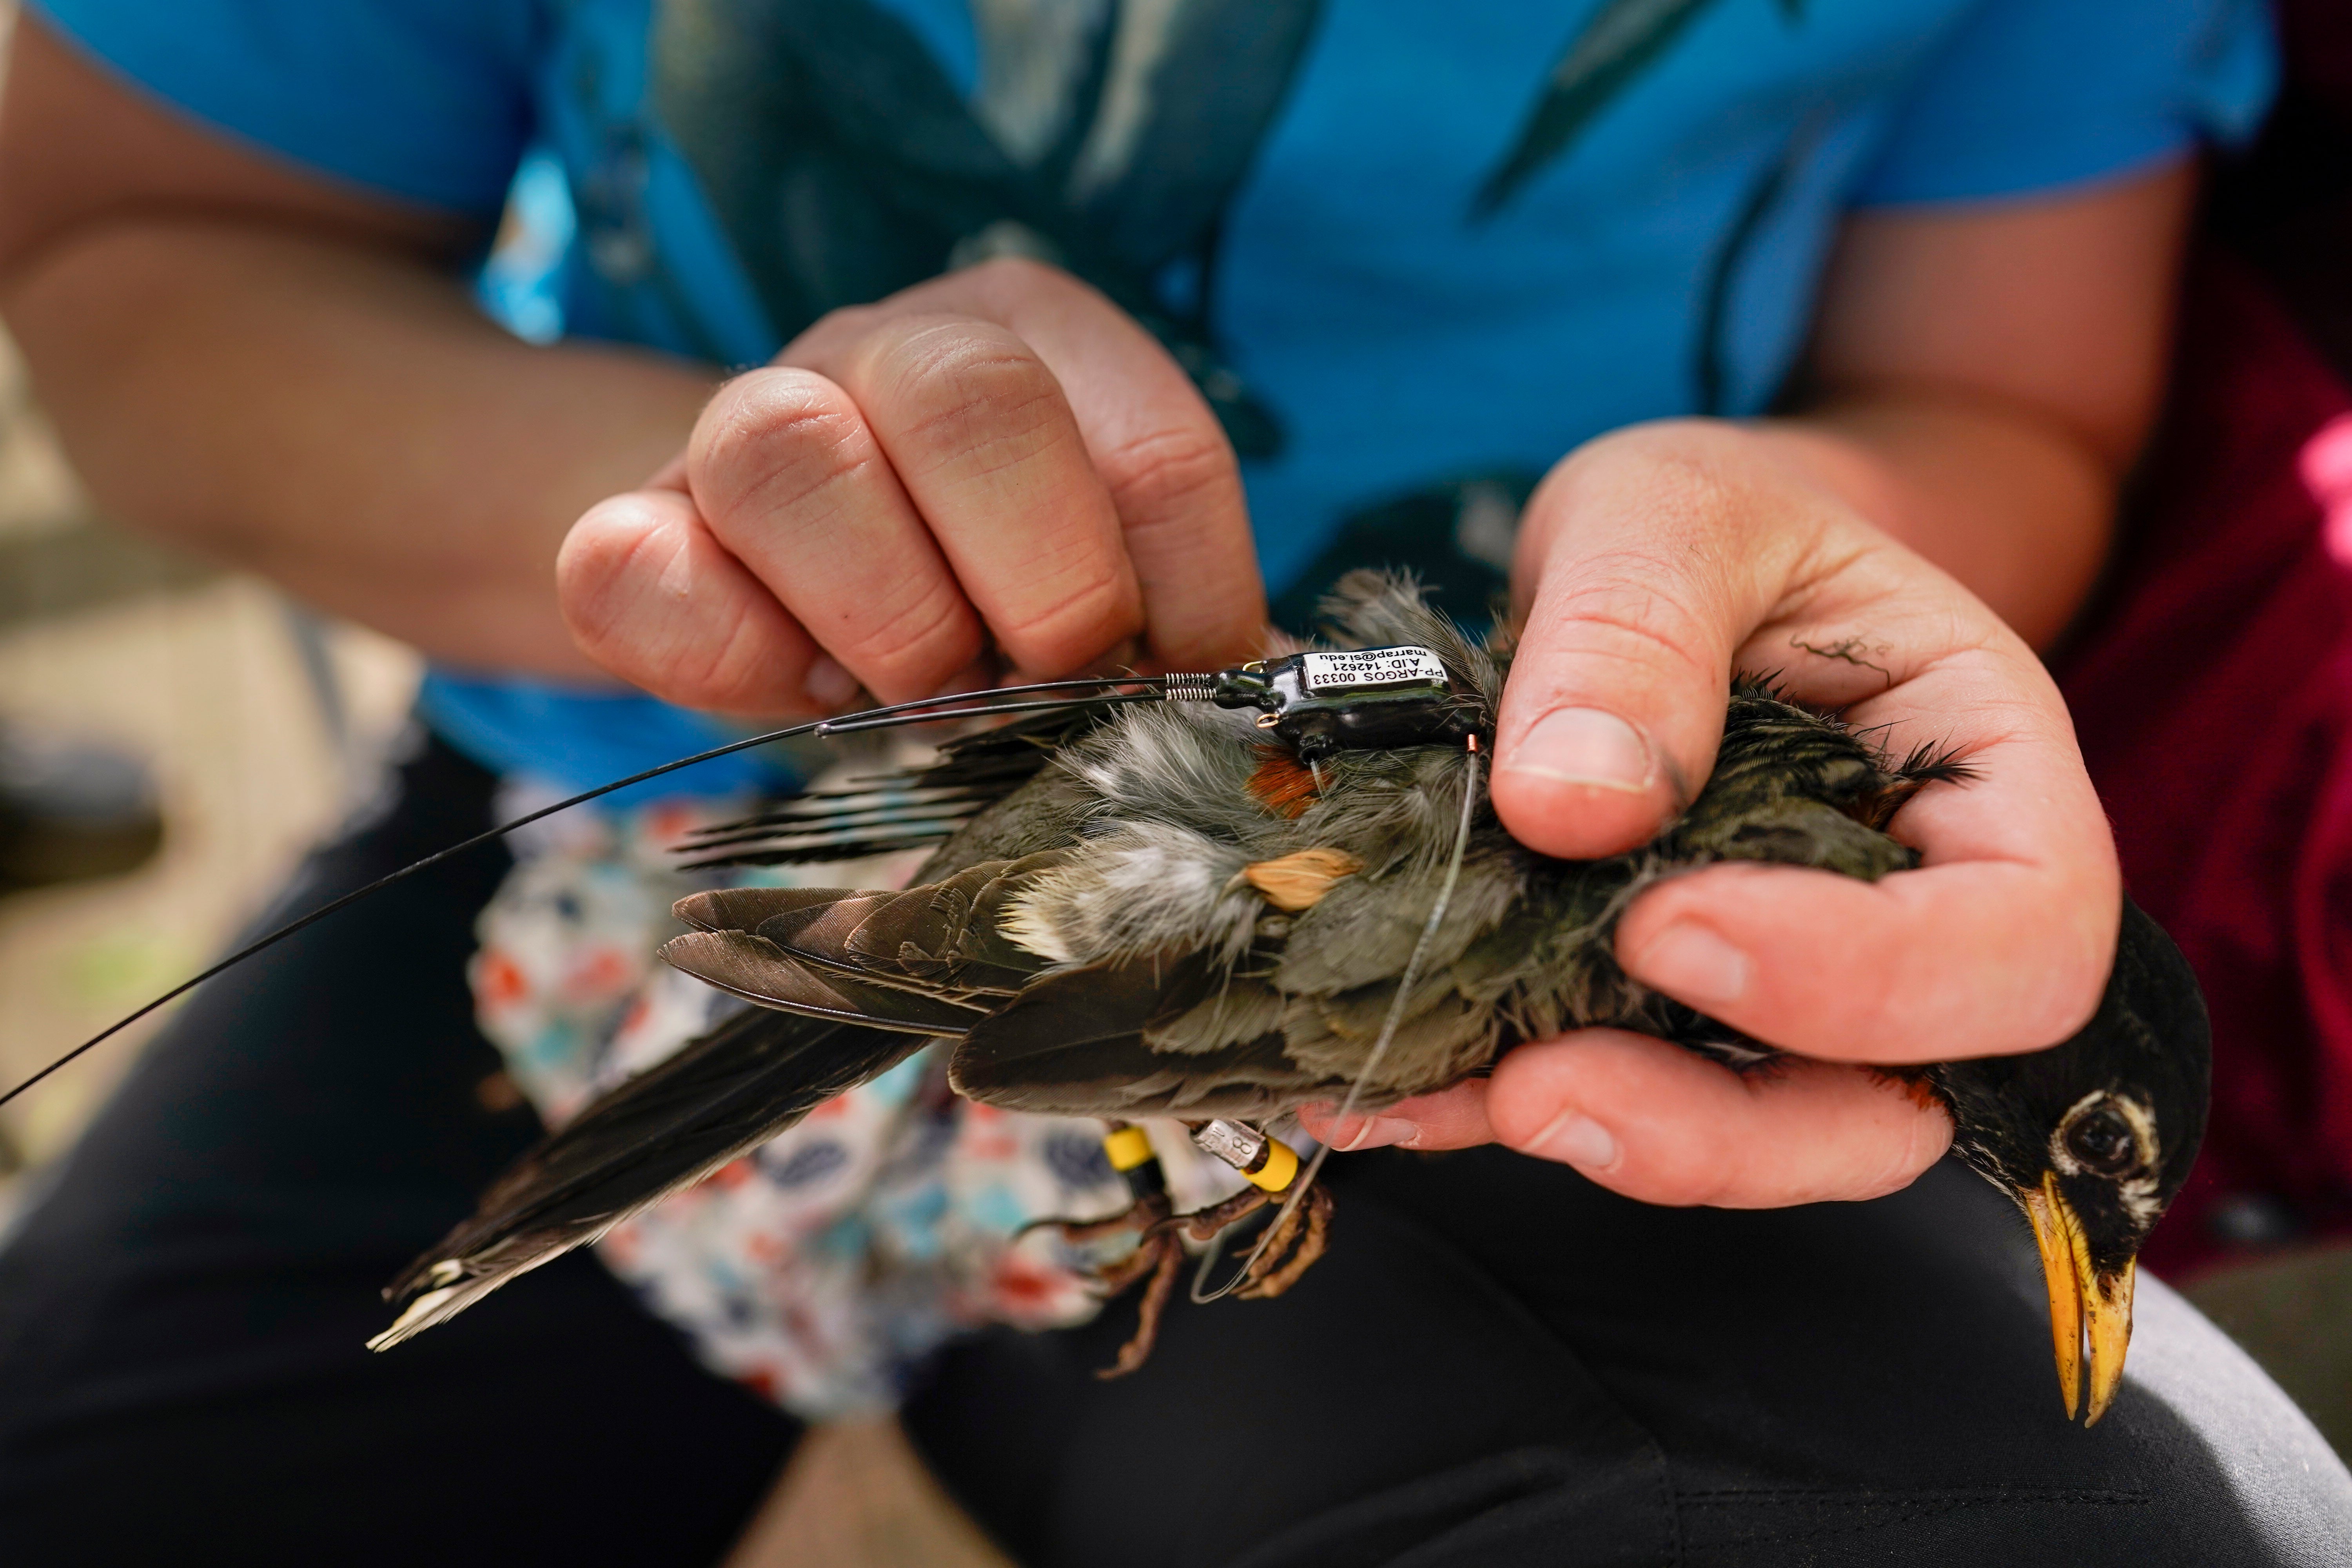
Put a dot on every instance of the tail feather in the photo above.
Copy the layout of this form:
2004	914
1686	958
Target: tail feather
902	809
723	1095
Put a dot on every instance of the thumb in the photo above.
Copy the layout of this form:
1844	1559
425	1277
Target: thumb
1649	569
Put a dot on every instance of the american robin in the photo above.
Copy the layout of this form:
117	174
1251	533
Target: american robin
1289	891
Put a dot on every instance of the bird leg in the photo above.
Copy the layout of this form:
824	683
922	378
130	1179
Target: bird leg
1158	1251
1299	1238
1208	1224
1139	1219
1158	1254
1300	1232
1294	1247
1129	1149
1298	1241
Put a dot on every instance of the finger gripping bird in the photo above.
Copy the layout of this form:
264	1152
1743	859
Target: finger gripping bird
1287	887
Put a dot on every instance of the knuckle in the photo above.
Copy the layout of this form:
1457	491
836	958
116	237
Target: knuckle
1679	481
1674	471
833	336
605	534
846	322
624	587
774	440
976	397
616	552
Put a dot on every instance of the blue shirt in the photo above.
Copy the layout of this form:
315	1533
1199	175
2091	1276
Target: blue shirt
1400	242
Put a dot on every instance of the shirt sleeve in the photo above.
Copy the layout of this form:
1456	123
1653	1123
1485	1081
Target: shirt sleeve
427	100
2027	95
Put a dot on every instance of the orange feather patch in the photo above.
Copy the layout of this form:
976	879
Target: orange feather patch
1282	783
1298	880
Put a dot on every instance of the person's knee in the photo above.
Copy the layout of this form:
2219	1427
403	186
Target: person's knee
2234	1472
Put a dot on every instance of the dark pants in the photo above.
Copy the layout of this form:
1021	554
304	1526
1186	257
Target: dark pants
1498	1364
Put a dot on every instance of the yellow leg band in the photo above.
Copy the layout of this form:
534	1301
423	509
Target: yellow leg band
1128	1148
1281	1165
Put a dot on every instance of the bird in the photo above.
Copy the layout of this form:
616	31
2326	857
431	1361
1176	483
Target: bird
1291	890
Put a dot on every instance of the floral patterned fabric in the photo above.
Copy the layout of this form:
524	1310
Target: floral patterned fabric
823	1268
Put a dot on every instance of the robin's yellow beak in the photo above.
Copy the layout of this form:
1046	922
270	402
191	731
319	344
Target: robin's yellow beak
2084	1305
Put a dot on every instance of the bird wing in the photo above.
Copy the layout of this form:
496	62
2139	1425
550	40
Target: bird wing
848	984
933	959
1163	1035
1189	1034
759	970
724	1094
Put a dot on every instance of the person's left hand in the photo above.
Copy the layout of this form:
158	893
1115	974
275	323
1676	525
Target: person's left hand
1653	564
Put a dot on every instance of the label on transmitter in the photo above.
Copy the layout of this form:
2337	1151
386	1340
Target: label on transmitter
1370	667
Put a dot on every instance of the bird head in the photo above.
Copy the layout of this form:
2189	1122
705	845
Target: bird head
2091	1140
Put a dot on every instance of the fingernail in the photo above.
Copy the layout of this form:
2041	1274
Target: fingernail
829	684
1357	1132
1694	963
1584	746
1575	1139
1379	1133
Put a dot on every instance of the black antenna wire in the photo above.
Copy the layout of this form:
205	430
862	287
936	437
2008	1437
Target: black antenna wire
918	712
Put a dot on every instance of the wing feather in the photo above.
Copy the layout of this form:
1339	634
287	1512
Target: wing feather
1078	1042
744	909
758	971
731	1091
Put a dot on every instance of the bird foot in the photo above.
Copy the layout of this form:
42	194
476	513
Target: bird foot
1208	1224
1158	1255
1138	1220
1299	1239
1162	1256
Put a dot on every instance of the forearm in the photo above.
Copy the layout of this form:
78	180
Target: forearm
343	420
1985	375
2019	512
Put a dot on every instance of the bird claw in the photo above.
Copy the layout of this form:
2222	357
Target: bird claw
1298	1241
1167	1255
1110	1280
1157	1253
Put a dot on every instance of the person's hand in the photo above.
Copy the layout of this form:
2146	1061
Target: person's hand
993	473
1653	564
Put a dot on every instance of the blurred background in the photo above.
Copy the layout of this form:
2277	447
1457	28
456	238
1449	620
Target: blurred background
256	720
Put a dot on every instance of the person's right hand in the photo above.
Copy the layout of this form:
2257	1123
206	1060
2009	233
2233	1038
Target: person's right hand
995	473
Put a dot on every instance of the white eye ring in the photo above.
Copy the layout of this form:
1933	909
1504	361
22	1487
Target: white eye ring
2147	1148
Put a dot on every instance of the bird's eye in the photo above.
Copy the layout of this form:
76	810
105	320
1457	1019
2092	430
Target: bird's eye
2102	1141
